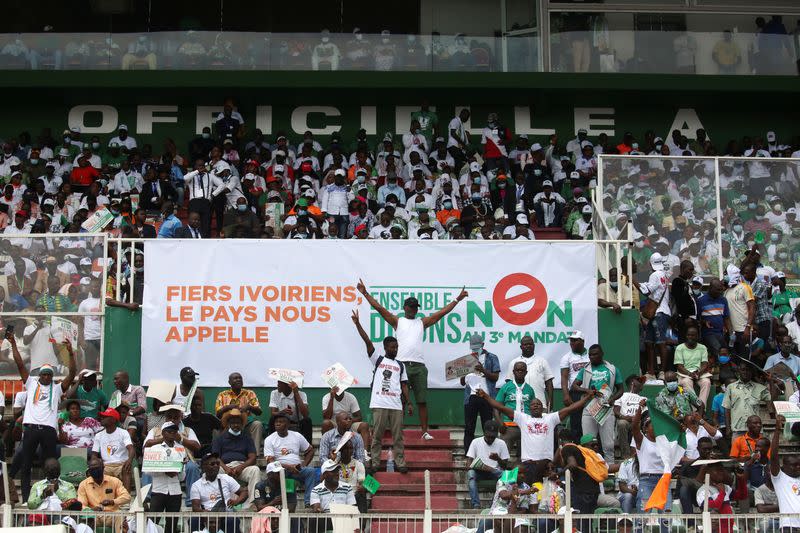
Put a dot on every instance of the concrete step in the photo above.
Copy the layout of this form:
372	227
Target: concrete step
390	478
424	459
411	504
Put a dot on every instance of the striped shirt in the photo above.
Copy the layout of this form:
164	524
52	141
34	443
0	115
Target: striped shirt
714	311
763	301
342	494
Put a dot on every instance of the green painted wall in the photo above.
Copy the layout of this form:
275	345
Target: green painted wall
618	336
728	107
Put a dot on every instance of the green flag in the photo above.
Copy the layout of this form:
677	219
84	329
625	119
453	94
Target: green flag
371	484
510	476
671	445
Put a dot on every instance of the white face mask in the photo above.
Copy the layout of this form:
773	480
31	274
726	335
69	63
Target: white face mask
359	36
325	39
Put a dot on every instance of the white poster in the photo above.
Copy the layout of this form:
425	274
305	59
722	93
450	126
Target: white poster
251	305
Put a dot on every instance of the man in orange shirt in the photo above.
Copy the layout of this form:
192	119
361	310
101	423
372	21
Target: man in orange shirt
744	446
447	211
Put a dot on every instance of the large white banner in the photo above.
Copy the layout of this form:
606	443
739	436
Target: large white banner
248	305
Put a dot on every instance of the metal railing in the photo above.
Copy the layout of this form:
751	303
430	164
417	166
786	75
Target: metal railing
710	197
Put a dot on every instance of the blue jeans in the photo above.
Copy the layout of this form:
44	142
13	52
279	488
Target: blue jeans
648	482
309	476
627	501
473	476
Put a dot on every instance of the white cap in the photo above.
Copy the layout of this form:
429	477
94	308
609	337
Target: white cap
123	127
547	183
329	466
75	129
697	279
771	136
779	275
587	210
675	170
657	261
274	466
170	407
536	147
88	372
85	280
499	213
522	219
221	166
280	152
85	261
474	167
338	172
577	334
584	144
417	168
310	193
581	200
278	169
49	201
574	175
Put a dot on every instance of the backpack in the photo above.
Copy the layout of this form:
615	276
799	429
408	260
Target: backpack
596	467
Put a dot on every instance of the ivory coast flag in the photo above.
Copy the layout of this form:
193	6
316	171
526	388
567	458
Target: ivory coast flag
671	445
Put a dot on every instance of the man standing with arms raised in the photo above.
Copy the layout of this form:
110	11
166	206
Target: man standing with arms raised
410	331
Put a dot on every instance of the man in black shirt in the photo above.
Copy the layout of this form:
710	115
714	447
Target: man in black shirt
203	423
585	490
685	305
237	452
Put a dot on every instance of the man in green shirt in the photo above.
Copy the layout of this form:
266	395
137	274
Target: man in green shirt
742	400
95	400
516	395
428	122
782	297
691	360
676	401
113	157
52	486
602	379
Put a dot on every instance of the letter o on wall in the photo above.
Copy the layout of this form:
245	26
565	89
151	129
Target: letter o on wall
108	122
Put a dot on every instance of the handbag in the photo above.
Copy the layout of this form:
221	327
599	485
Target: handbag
221	504
651	306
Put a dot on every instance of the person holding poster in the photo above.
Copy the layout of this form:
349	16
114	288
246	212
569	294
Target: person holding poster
166	491
484	376
410	331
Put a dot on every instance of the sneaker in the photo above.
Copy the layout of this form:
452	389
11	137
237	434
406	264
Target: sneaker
427	436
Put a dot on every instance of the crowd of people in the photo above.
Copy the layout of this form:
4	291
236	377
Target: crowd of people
233	50
603	420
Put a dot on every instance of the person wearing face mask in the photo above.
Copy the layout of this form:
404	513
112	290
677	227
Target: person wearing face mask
391	189
100	492
607	292
414	140
759	221
385	52
237	452
165	494
242	217
201	145
357	51
675	400
334	201
657	290
325	55
782	297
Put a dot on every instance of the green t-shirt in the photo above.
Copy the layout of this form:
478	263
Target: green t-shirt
691	358
111	161
601	375
508	397
781	302
96	397
428	120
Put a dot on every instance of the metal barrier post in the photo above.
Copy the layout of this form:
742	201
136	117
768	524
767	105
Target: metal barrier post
719	219
141	521
706	514
284	522
427	490
427	521
568	506
6	491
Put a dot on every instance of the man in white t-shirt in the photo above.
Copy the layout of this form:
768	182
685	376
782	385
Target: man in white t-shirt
785	478
540	376
90	340
388	398
410	331
571	363
40	424
624	410
212	487
537	429
488	458
335	402
657	290
287	447
114	446
458	138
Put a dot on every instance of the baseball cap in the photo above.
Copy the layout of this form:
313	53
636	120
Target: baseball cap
188	371
274	466
522	219
278	169
577	334
491	428
411	301
697	279
329	465
475	341
771	136
338	172
169	426
171	407
587	210
547	183
213	455
779	275
536	147
122	127
582	130
113	413
280	152
474	167
46	369
657	261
